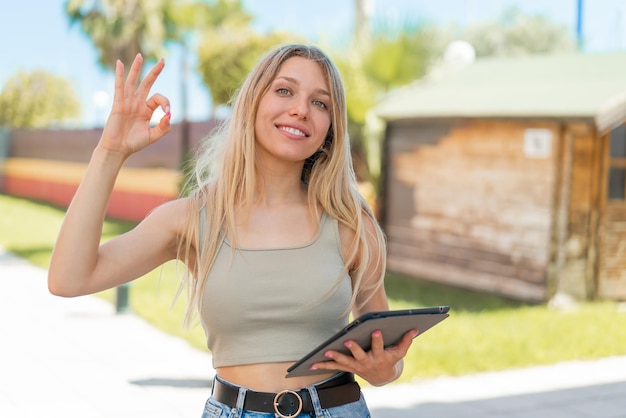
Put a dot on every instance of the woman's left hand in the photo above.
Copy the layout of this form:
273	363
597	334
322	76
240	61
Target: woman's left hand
378	366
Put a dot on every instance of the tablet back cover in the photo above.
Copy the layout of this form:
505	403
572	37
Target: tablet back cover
393	325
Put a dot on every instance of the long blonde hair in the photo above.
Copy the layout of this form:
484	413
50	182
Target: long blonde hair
226	180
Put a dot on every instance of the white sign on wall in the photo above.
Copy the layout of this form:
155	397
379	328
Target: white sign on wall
537	143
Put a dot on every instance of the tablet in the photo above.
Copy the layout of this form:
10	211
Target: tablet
393	325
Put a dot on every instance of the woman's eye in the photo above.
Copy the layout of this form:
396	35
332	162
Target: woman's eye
283	91
320	104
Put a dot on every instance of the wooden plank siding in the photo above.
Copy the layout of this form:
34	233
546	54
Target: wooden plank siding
611	274
574	274
466	206
612	271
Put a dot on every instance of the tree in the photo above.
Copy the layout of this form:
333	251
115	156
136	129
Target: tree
397	60
388	57
37	100
185	20
226	56
393	57
227	49
120	29
519	34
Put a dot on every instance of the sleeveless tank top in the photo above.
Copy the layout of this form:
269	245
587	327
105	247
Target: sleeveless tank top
275	305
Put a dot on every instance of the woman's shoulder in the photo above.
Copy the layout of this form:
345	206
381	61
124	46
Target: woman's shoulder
173	215
368	226
180	206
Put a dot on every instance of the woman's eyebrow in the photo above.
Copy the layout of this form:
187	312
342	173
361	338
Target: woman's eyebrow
296	82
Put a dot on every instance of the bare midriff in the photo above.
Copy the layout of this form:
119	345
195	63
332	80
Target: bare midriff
268	377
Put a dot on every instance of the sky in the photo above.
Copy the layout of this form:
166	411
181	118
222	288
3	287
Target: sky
36	35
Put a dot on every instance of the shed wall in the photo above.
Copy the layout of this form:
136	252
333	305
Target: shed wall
611	281
612	263
574	248
466	205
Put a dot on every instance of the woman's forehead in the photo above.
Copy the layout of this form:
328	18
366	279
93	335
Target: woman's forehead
300	70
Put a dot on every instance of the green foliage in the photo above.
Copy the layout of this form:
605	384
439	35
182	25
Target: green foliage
361	92
227	53
29	228
188	17
37	100
123	28
519	34
120	29
397	59
391	56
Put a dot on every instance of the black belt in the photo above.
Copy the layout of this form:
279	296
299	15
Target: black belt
337	391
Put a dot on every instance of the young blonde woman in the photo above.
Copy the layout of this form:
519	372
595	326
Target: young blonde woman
278	243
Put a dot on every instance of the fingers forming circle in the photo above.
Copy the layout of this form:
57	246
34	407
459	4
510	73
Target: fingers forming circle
158	100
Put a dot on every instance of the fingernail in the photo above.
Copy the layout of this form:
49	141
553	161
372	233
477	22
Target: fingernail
348	344
415	333
328	355
377	333
167	109
313	368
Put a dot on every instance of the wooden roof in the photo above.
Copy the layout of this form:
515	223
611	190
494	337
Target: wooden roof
540	86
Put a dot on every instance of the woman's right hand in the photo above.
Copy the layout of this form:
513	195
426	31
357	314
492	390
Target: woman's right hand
79	264
128	128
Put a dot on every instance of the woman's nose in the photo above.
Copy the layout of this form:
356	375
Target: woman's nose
300	107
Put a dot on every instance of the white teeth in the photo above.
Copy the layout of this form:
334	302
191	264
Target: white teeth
293	131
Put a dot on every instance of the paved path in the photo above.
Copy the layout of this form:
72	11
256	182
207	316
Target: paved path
75	358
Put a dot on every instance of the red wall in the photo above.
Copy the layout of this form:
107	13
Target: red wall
47	165
128	205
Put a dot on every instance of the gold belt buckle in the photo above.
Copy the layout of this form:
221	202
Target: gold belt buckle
277	398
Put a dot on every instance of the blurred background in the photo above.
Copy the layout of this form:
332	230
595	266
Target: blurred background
39	35
488	135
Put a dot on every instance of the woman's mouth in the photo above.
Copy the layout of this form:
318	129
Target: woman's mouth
293	131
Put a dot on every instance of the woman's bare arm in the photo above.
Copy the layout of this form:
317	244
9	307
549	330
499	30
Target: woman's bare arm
78	264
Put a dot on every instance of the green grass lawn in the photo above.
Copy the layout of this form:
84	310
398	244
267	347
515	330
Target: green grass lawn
483	332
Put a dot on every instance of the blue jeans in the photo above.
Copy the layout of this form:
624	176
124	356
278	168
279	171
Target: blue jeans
214	409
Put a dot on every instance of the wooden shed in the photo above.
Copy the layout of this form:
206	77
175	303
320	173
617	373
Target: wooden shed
509	176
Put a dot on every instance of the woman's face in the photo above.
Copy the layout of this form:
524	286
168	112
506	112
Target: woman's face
294	115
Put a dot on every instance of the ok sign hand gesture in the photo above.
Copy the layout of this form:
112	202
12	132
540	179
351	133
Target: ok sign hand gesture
128	128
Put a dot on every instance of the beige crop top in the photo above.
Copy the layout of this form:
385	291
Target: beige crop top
268	305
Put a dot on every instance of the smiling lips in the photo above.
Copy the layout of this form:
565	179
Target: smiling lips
293	131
